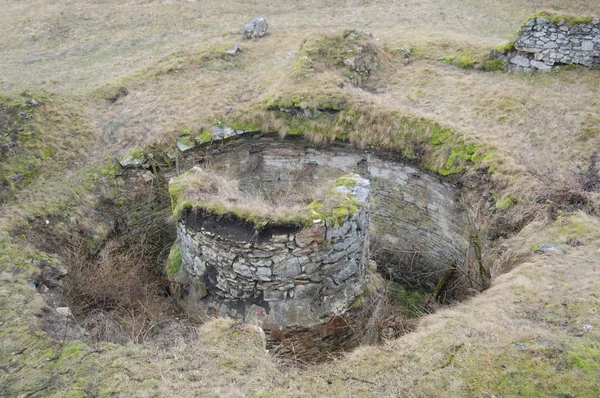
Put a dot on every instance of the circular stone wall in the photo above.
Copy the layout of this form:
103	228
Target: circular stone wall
284	274
418	227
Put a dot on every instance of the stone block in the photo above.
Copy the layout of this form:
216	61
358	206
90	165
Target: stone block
262	263
542	67
241	267
316	233
520	61
328	258
305	251
288	267
263	271
346	243
280	238
311	268
199	267
350	268
274	295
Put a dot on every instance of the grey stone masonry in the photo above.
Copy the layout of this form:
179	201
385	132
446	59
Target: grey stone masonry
544	43
288	276
417	225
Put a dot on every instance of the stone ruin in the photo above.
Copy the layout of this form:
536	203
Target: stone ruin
548	41
300	270
303	273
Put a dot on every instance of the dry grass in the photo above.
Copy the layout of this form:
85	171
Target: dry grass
221	190
115	294
543	127
252	200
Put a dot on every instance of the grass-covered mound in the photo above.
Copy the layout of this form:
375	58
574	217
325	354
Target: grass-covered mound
354	55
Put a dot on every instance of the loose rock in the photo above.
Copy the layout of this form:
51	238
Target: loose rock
255	29
236	49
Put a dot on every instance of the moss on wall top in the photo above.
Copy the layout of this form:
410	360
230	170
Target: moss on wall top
200	190
556	18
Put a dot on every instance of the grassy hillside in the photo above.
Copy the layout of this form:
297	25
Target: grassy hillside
113	77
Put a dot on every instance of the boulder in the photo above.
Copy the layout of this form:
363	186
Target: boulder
255	29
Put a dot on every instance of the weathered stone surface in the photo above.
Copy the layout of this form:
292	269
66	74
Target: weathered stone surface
255	29
552	44
542	67
548	248
240	267
184	146
274	295
316	233
416	224
235	277
520	60
133	160
64	311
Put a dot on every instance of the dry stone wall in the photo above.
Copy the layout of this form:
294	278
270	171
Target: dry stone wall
544	43
283	276
418	227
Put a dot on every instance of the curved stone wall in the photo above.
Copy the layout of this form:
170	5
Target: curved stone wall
281	275
418	227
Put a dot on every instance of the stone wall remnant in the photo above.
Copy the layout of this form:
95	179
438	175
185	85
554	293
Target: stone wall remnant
547	41
418	227
283	274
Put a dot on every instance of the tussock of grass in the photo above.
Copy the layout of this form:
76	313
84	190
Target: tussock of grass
219	195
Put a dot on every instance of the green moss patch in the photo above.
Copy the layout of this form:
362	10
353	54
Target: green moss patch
555	18
134	158
466	58
505	202
174	261
506	48
493	65
205	136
